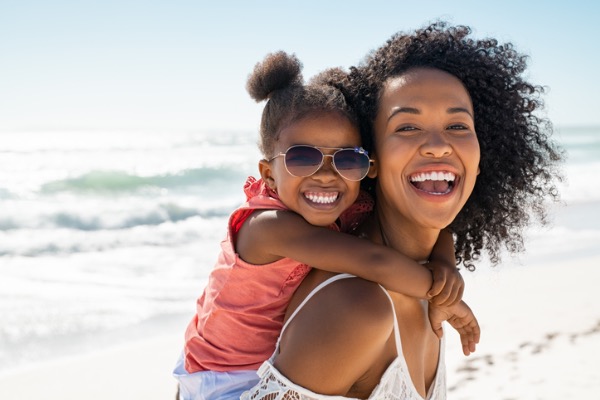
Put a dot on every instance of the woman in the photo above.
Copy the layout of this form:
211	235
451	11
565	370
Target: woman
441	111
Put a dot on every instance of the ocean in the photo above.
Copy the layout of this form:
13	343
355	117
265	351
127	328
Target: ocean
109	236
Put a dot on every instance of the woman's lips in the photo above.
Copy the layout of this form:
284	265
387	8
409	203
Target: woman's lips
434	182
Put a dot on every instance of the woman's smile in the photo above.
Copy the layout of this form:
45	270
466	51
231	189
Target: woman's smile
434	182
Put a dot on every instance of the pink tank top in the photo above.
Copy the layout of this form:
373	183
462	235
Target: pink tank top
240	313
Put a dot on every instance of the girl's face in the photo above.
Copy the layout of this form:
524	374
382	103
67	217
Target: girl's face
426	149
321	197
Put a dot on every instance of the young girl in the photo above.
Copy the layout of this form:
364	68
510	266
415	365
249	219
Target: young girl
309	191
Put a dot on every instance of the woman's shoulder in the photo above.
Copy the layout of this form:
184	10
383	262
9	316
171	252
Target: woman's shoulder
349	319
359	296
347	304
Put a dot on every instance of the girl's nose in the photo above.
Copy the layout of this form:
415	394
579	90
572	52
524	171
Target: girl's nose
327	172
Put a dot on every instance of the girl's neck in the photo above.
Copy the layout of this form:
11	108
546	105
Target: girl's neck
403	235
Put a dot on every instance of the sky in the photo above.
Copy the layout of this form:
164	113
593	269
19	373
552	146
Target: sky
183	64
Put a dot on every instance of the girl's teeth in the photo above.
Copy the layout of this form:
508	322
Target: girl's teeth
322	198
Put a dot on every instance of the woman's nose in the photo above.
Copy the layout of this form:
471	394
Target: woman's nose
436	145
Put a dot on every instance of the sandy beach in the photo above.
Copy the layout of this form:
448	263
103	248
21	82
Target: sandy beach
541	340
137	371
541	334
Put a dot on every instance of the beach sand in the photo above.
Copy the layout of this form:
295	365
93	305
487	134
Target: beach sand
540	340
540	334
137	371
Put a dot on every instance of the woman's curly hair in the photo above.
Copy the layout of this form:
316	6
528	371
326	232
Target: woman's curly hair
278	80
519	160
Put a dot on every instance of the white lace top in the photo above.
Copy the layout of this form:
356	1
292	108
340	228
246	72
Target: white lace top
395	383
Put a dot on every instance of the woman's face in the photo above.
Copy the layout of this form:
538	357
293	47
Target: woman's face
426	148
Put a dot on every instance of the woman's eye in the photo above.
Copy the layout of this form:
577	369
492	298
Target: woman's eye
458	127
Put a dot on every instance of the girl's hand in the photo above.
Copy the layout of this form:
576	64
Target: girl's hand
461	318
448	284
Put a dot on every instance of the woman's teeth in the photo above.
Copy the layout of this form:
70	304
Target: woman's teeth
433	176
434	182
322	198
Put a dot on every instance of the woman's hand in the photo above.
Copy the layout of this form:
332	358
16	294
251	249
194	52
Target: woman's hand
461	318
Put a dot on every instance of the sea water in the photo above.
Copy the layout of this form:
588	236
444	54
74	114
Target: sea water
108	236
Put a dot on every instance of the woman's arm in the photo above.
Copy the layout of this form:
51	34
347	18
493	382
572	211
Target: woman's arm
267	236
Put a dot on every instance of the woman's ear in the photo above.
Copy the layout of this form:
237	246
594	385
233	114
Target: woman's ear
266	173
372	169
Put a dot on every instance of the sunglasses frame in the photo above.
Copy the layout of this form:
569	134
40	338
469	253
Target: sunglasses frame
358	150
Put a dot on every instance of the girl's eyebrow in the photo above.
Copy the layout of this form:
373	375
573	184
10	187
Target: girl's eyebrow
416	111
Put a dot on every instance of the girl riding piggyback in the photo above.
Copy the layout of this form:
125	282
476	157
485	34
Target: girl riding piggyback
300	214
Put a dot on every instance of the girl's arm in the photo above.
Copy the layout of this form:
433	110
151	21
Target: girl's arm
267	236
448	284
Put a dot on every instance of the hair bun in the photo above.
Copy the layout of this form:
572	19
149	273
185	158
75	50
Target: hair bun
330	77
277	71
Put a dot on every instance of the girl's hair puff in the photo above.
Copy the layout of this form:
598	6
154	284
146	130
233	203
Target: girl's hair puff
518	162
278	80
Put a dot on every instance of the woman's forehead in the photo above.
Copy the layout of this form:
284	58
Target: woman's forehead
424	87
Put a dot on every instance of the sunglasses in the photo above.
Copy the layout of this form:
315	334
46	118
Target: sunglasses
351	163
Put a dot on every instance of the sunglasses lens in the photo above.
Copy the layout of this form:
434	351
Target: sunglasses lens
351	164
303	160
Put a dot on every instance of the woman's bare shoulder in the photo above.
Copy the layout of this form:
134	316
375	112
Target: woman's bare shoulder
350	299
344	326
345	312
361	298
